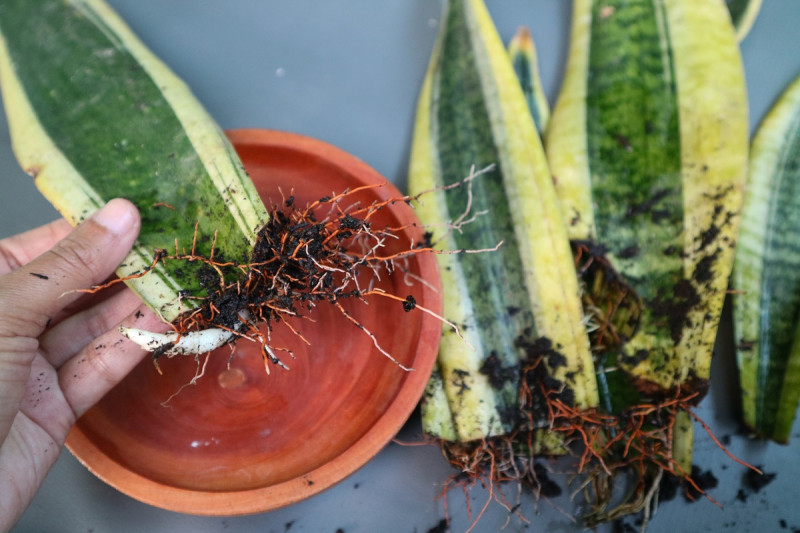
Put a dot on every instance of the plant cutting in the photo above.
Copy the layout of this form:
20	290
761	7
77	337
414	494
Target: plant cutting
648	143
766	283
489	402
93	115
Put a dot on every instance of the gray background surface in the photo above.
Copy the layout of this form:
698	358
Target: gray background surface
348	72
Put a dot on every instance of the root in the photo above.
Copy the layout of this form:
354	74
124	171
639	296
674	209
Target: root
173	343
611	306
485	462
632	449
720	445
328	252
495	463
201	371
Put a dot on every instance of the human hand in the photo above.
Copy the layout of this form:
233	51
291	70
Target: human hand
58	349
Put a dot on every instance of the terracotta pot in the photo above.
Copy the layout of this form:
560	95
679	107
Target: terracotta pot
241	441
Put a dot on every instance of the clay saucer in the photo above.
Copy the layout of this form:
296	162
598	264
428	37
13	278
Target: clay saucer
241	441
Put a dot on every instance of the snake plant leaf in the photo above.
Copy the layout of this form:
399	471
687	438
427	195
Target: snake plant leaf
522	51
767	274
743	14
472	114
94	115
648	147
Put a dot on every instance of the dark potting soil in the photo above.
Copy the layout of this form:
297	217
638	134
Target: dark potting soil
441	527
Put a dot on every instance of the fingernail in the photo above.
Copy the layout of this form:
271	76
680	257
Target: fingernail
117	216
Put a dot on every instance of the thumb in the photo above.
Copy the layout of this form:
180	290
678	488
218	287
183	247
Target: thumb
37	291
32	294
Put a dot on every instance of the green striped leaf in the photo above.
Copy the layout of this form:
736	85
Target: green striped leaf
472	114
94	115
522	52
743	14
767	274
648	145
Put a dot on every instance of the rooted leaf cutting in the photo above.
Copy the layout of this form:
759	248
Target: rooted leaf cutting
324	253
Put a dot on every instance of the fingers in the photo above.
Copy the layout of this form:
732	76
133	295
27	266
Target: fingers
30	295
96	369
16	355
87	256
69	336
23	248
